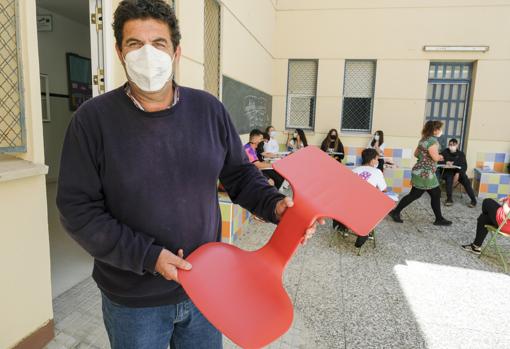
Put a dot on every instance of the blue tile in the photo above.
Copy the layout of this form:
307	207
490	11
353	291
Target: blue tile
493	188
504	179
407	174
500	157
397	153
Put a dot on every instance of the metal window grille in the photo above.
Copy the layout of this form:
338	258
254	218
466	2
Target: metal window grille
358	99
212	21
448	98
301	94
12	123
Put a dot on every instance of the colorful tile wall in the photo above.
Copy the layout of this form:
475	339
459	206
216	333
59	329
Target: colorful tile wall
490	184
495	161
233	219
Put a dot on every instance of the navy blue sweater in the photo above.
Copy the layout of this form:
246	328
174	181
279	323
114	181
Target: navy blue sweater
132	182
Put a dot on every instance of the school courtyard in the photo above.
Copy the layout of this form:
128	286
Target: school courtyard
416	289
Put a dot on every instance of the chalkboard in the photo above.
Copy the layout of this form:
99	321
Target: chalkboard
248	107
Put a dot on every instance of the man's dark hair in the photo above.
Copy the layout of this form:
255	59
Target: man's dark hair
368	155
255	132
454	141
145	9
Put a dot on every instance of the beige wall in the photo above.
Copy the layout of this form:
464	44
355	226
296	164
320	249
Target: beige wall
24	248
393	33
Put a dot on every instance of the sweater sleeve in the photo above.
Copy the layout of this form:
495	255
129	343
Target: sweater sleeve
462	161
243	182
83	211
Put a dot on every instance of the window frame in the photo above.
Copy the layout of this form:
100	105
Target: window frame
287	100
370	123
21	118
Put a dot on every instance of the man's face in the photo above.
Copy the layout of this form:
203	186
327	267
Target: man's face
139	32
452	146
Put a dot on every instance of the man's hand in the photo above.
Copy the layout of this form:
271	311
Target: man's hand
167	264
283	204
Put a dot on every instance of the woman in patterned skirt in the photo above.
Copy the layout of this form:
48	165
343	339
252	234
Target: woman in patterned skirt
423	177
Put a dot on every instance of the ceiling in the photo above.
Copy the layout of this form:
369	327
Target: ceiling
77	10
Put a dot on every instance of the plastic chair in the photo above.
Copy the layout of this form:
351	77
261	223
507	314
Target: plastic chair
241	292
495	232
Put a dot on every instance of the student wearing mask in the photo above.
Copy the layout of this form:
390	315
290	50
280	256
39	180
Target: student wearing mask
272	146
492	214
255	157
332	143
377	143
453	156
369	172
423	175
297	141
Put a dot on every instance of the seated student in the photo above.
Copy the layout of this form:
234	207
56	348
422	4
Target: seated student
256	137
453	156
297	141
332	143
492	214
377	143
272	146
370	173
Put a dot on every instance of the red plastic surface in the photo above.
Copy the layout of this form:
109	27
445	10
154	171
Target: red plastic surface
241	292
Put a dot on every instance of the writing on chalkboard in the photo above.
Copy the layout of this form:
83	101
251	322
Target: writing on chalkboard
248	107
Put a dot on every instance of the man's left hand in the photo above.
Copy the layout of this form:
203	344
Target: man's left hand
283	204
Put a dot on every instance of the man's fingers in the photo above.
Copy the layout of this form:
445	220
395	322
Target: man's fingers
180	253
170	273
179	262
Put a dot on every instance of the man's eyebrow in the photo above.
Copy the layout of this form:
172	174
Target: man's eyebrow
132	40
160	40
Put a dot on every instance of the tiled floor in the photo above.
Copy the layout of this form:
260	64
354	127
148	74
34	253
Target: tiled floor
417	289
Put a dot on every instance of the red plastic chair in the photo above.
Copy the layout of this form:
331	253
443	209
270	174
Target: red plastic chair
241	292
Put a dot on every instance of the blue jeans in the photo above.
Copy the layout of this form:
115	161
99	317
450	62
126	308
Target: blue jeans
181	326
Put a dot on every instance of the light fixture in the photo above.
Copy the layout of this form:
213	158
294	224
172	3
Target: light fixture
448	48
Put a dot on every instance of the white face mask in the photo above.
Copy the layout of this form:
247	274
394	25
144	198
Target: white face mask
149	68
453	148
439	134
376	137
272	134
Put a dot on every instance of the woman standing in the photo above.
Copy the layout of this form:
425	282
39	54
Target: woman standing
377	143
423	176
332	143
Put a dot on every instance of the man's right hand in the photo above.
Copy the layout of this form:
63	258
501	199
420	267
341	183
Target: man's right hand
168	263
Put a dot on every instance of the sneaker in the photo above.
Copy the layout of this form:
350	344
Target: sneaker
443	222
449	202
395	216
472	204
472	248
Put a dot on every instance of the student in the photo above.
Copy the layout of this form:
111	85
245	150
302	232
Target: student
423	175
370	173
261	153
377	143
453	156
332	143
272	145
492	214
297	141
256	138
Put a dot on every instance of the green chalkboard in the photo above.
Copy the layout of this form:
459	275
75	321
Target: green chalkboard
248	107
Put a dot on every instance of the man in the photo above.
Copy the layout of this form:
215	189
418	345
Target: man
252	152
369	172
138	198
455	157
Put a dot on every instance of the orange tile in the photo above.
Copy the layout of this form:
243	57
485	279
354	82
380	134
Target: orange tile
499	167
396	189
407	183
484	188
479	164
388	152
225	229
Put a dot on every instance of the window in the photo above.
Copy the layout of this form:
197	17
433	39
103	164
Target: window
12	123
301	94
212	47
358	99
